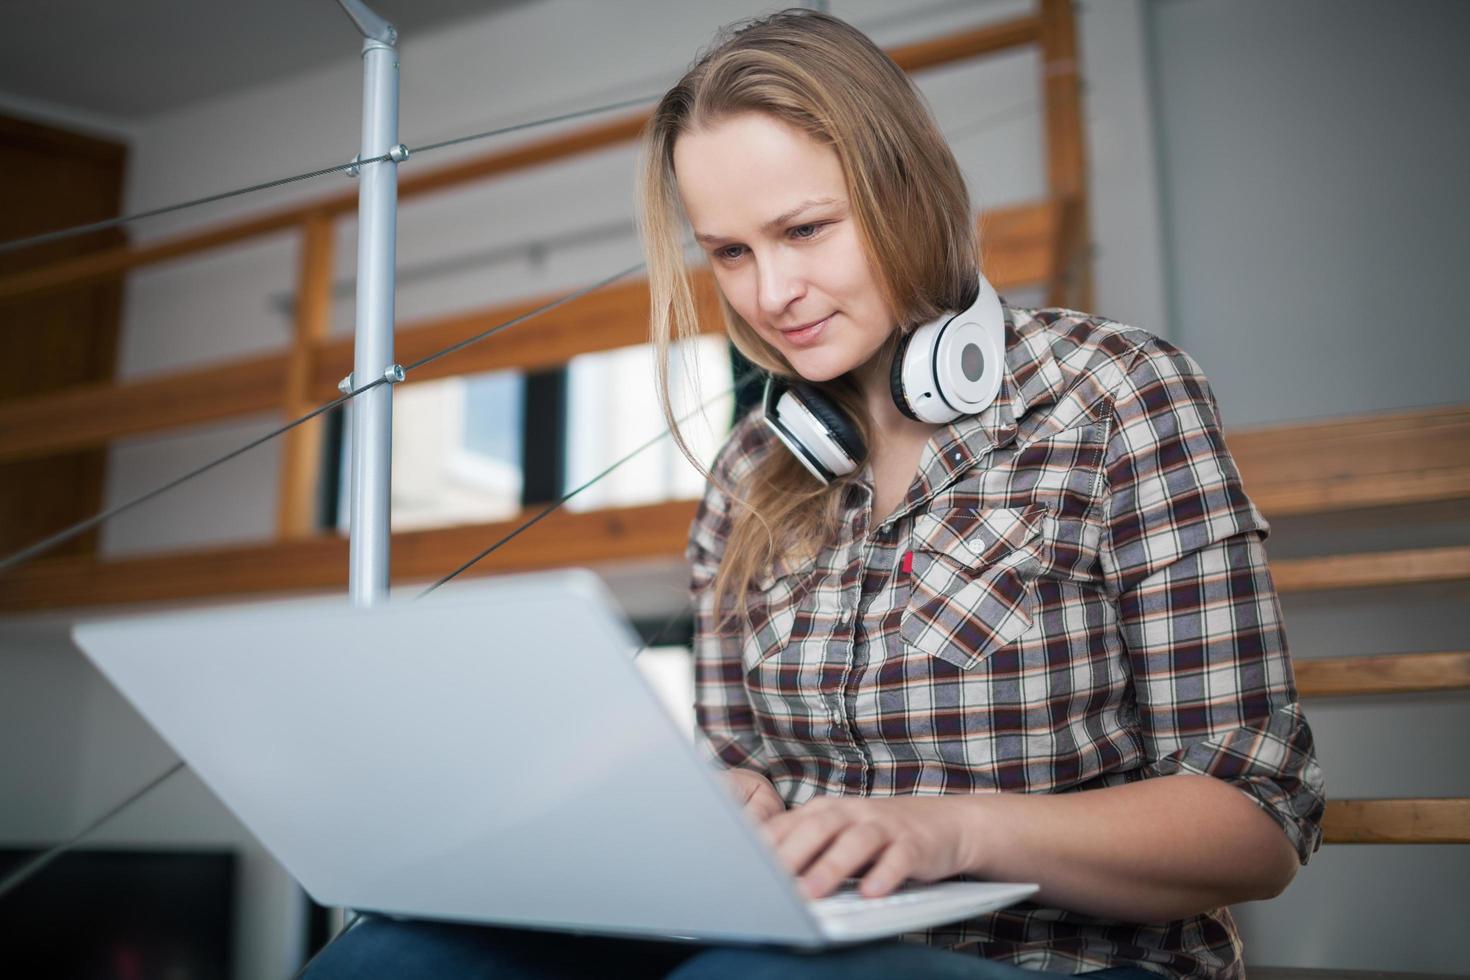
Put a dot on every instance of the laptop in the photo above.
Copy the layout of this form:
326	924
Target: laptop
490	754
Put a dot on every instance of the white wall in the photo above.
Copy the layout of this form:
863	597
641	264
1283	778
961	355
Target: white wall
1314	201
1313	156
1145	129
529	61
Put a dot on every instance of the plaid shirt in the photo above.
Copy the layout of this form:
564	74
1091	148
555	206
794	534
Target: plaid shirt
1074	594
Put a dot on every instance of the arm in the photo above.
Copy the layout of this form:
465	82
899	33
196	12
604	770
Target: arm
721	706
1150	851
1200	624
1216	703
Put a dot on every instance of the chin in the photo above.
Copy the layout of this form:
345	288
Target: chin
819	366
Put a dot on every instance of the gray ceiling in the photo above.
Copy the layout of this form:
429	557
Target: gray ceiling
128	59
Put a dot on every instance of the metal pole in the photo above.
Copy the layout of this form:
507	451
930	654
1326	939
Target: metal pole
377	228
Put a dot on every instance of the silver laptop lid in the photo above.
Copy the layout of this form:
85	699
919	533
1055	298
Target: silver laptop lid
489	754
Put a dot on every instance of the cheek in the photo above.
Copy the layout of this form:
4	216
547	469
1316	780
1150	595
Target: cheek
739	291
859	282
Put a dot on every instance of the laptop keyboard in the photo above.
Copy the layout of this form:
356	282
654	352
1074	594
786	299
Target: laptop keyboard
847	899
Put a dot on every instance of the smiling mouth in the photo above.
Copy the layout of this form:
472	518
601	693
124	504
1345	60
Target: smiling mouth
807	333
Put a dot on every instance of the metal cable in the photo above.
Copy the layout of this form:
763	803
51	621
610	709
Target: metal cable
36	864
975	127
33	866
53	236
25	871
530	249
549	508
40	547
45	858
548	120
11	561
577	294
62	233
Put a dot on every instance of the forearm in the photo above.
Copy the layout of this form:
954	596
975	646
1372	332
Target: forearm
1150	851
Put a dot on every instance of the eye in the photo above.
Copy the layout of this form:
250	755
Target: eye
806	231
729	253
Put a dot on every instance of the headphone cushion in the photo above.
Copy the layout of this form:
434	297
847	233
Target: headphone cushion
895	376
836	421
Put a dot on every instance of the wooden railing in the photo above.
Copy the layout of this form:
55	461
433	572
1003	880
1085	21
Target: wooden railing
1390	460
1030	244
1404	458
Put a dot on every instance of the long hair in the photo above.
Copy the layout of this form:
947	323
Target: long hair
828	80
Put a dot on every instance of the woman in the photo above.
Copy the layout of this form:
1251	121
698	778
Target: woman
962	647
969	656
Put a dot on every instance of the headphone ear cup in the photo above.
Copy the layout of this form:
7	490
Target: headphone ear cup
895	376
847	436
952	365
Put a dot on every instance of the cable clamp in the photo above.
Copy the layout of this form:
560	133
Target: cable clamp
398	154
356	167
392	374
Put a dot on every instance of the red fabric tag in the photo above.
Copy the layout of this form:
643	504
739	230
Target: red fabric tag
907	564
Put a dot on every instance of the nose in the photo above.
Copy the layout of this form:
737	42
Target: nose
781	283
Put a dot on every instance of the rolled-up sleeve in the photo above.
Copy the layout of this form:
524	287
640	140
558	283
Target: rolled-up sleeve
721	706
1183	549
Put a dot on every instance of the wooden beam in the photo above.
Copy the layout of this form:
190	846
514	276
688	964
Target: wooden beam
301	448
1384	459
612	317
1407	821
1395	674
1018	244
964	45
1017	248
1068	256
92	415
320	562
1066	155
911	57
115	261
1375	569
1062	90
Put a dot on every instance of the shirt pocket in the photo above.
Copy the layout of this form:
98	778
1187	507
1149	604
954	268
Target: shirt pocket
973	581
774	608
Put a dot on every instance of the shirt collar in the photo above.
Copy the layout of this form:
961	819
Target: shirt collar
1026	382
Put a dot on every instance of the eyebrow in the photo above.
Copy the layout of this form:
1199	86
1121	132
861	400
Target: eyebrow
779	219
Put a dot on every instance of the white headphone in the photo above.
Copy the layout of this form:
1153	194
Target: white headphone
946	368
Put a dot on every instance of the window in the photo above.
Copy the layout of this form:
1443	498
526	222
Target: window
612	409
456	452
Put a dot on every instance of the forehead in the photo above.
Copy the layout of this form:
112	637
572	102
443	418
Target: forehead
740	172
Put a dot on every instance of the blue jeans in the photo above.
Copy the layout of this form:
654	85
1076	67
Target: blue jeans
410	949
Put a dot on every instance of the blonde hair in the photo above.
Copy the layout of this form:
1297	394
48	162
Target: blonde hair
829	81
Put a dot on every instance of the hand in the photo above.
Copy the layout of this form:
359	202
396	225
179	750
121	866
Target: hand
833	838
756	794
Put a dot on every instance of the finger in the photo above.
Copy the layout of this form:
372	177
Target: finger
894	866
783	825
850	851
742	782
764	805
803	835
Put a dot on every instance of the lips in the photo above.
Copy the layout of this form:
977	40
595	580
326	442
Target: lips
809	334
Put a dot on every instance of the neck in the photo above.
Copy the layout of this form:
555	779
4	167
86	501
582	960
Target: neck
890	426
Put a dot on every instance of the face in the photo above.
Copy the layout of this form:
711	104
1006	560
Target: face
769	206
